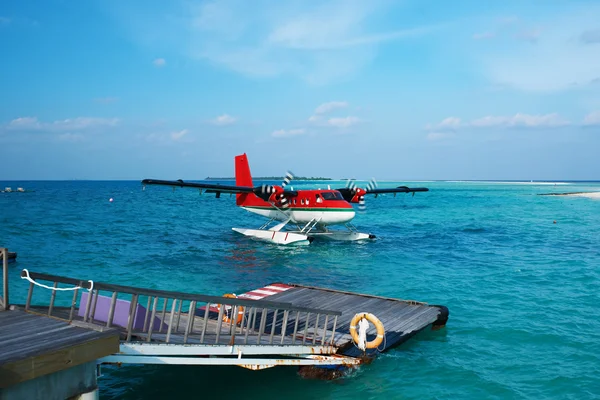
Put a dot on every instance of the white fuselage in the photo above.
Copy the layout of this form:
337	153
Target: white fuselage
324	217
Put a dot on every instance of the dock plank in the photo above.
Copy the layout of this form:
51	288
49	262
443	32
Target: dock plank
35	345
400	318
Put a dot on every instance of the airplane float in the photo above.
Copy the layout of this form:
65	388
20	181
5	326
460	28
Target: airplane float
310	211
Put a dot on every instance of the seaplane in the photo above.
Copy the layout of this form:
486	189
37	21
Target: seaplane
310	212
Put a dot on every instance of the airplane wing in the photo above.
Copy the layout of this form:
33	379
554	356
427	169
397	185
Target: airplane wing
399	189
350	193
209	187
263	191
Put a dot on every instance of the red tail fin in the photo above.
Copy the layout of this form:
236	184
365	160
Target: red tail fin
242	177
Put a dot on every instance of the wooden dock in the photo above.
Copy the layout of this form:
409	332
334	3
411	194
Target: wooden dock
291	323
33	346
401	318
278	324
42	357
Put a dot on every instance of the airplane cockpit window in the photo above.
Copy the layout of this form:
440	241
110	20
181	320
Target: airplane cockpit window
319	199
332	196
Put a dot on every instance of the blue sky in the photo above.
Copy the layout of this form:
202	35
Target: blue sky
407	89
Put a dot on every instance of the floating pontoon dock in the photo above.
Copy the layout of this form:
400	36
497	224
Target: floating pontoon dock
278	324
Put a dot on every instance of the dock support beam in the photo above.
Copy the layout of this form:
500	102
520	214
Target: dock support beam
79	382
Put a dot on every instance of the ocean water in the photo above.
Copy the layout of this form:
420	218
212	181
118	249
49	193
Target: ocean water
520	274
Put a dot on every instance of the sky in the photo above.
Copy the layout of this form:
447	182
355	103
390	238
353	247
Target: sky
396	90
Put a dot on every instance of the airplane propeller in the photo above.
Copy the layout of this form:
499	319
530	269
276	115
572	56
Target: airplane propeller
354	190
362	206
266	192
289	176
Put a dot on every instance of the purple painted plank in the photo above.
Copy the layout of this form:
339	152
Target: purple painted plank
121	315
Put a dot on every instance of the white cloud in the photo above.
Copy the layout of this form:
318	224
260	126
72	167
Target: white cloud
319	31
521	120
328	107
343	122
320	117
167	139
71	124
559	61
592	118
484	35
288	133
449	123
224	120
491	121
82	123
180	134
319	42
24	123
591	36
159	62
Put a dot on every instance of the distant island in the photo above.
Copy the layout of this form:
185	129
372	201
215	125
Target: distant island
272	178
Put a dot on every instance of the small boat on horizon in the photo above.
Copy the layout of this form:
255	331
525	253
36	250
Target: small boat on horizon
8	189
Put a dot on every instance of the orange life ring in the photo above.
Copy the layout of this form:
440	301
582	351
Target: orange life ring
226	317
375	321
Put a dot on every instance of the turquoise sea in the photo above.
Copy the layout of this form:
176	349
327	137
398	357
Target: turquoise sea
523	291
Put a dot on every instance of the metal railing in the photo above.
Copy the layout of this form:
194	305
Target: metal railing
176	317
4	302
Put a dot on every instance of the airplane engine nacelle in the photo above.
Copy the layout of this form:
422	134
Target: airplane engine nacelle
268	193
358	195
276	194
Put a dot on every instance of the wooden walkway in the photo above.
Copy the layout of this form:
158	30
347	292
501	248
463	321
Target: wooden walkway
33	345
177	335
401	319
278	324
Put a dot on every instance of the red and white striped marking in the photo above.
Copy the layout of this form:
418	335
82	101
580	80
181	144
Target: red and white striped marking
266	291
257	294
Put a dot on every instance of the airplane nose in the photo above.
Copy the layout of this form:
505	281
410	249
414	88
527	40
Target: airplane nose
351	216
